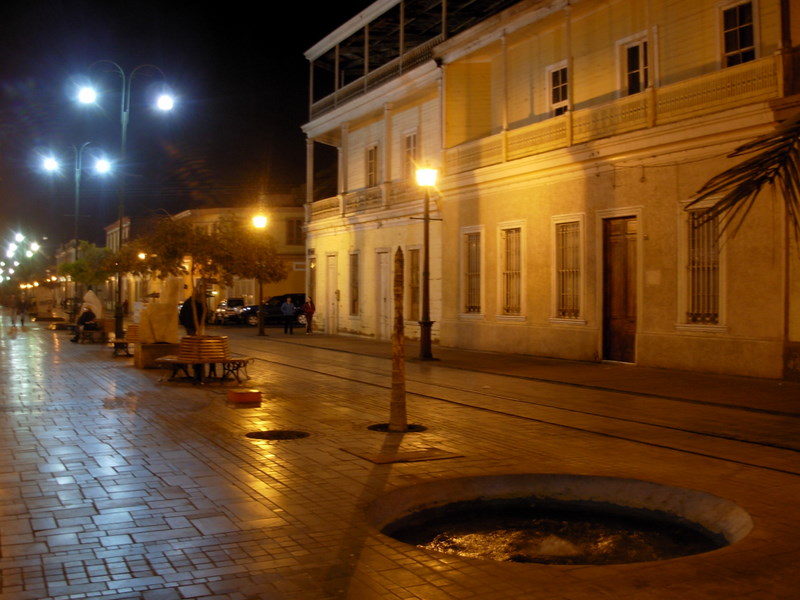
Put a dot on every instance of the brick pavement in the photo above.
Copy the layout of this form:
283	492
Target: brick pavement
116	485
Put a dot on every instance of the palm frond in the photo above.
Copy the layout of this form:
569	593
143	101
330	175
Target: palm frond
772	158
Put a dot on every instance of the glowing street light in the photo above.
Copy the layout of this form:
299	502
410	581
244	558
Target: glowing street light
101	166
21	248
260	221
426	178
87	95
165	102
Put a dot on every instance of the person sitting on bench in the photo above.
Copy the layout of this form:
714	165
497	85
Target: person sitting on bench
86	322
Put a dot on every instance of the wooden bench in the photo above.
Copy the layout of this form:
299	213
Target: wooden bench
92	336
233	367
99	335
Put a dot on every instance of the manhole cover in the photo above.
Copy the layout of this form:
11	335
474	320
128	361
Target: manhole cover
277	434
384	427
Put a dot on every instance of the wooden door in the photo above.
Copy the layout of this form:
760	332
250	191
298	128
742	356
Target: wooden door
619	289
331	296
384	293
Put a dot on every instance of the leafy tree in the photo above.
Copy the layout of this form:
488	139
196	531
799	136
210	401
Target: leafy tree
771	158
232	249
93	266
249	253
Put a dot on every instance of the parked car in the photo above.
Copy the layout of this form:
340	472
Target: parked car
229	311
272	310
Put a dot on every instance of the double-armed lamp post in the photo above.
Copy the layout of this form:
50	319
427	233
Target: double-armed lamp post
426	178
101	166
164	102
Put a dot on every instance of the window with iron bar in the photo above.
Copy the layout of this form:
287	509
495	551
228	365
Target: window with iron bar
472	272
512	270
703	271
568	270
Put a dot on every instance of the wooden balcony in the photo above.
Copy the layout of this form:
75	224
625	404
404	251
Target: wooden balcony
745	84
376	78
741	85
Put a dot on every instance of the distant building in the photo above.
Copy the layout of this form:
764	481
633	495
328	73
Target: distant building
569	137
285	225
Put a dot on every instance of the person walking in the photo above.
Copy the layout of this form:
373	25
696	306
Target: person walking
308	310
22	307
12	306
287	310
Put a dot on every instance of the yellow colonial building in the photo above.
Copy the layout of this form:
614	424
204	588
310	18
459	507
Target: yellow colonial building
569	138
285	218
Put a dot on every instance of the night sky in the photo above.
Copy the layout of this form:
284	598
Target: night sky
242	85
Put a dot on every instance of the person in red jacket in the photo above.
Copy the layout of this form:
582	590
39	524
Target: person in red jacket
308	310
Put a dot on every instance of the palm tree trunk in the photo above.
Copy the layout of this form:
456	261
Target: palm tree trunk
398	420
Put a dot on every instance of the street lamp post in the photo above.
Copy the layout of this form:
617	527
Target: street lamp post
87	95
426	178
101	166
260	222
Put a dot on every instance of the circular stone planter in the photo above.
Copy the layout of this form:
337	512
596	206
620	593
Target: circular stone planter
422	508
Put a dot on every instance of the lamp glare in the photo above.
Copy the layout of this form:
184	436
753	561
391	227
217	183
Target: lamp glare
165	102
102	166
426	177
87	95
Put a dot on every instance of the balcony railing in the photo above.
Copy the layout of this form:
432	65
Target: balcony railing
729	88
327	207
362	200
362	85
756	81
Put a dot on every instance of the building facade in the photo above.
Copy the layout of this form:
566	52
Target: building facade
285	219
284	224
570	137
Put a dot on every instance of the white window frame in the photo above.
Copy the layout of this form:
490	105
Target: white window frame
580	260
640	39
371	166
684	282
501	269
466	231
728	5
410	157
562	105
